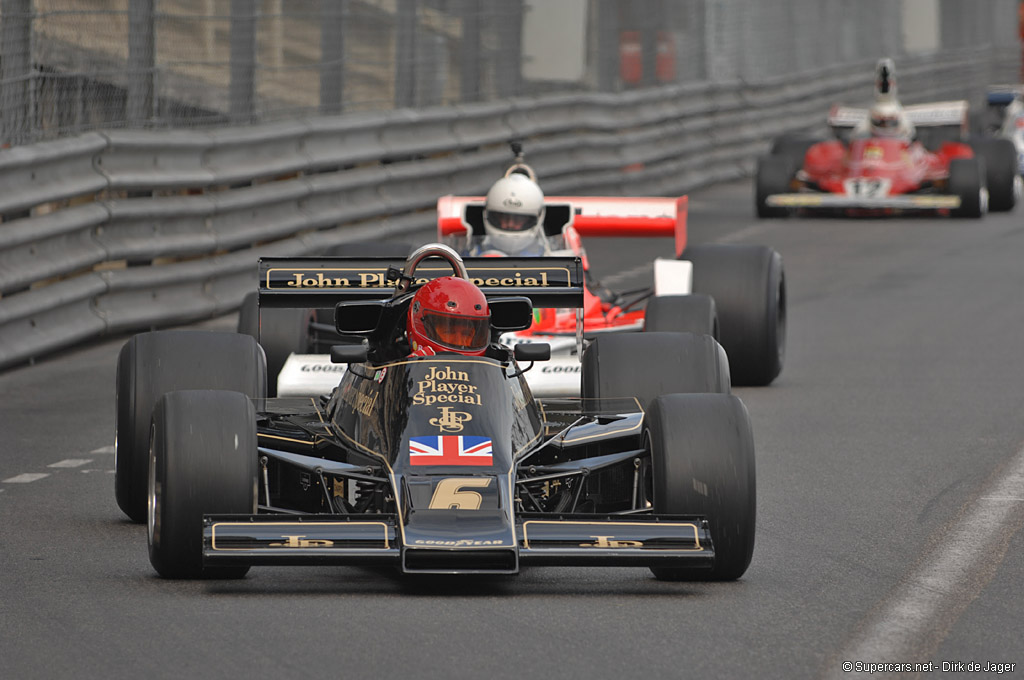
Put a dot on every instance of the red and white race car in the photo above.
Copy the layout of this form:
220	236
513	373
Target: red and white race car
875	175
736	293
923	161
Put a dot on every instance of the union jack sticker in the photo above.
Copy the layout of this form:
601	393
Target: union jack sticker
450	449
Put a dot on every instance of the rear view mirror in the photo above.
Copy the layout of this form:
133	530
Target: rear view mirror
532	351
348	354
358	317
511	313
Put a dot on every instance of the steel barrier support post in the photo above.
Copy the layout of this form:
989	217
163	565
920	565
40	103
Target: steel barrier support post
508	66
16	73
651	19
242	91
332	55
469	52
405	54
607	46
141	61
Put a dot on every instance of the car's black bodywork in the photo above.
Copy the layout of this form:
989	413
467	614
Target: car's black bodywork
443	464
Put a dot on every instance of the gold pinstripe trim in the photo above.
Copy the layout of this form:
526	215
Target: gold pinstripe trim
370	270
604	525
314	442
213	532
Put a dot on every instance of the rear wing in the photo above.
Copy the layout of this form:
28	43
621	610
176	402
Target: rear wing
322	282
921	115
938	113
588	215
845	116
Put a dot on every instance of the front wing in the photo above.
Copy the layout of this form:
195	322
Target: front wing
900	202
536	539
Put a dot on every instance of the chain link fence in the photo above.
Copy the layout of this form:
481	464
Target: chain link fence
69	66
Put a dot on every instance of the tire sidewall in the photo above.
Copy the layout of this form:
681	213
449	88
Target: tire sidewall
702	457
196	469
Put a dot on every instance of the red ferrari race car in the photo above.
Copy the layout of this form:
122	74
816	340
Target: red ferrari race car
736	293
889	159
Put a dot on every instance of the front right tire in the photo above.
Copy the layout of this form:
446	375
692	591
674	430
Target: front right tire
965	181
702	459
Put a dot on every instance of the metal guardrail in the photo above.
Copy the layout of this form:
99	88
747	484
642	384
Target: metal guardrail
139	229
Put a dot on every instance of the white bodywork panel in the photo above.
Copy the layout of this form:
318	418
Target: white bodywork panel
672	277
310	375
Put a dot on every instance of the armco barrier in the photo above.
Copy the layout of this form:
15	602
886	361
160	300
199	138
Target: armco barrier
127	230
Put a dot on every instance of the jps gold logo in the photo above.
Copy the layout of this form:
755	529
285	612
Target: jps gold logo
298	542
610	542
451	421
443	385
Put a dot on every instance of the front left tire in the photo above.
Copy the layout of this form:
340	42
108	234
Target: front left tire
151	364
202	462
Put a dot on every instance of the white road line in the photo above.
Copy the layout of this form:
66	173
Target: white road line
915	617
618	277
70	463
26	478
103	449
743	233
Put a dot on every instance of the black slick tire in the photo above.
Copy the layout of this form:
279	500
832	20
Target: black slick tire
203	461
151	364
965	181
647	365
280	332
1000	157
748	285
702	458
773	176
682	314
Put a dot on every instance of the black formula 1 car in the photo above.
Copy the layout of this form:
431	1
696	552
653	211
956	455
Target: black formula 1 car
438	464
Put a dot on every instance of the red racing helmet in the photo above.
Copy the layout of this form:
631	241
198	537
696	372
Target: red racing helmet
449	314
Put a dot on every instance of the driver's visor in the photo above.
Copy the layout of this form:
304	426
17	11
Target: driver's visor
510	221
885	122
461	333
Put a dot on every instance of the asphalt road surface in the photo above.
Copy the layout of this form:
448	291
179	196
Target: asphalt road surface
890	501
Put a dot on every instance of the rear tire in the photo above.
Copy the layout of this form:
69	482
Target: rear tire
203	461
280	332
793	146
748	284
773	176
682	314
965	181
1000	159
620	365
151	364
702	455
